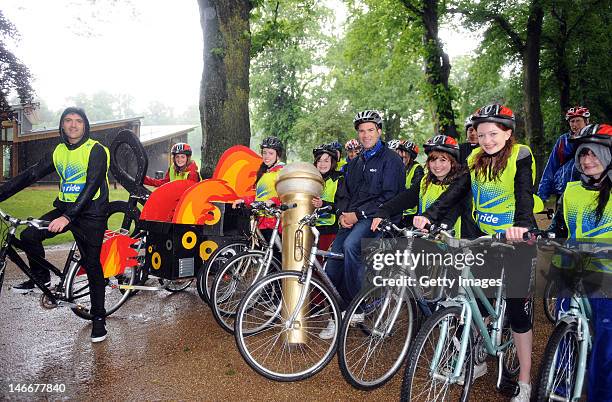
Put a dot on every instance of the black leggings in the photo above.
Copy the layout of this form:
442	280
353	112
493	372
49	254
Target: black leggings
89	239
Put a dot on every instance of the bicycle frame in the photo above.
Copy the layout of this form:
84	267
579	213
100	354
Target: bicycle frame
470	313
9	250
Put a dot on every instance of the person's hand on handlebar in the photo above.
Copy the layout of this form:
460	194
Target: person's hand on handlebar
236	203
420	222
270	203
317	202
515	233
375	223
58	224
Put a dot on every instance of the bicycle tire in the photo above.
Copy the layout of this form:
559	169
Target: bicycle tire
207	274
549	301
416	351
377	365
252	326
176	285
231	284
546	378
77	290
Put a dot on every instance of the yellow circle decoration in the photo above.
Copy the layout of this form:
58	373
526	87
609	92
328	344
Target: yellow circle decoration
156	260
216	216
207	248
150	249
189	240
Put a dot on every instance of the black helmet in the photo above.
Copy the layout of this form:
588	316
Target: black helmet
272	143
468	122
442	143
325	149
368	116
594	133
494	113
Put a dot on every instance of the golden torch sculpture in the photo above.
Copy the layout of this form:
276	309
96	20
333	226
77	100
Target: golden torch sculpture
297	183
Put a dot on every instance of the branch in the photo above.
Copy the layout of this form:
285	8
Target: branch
411	7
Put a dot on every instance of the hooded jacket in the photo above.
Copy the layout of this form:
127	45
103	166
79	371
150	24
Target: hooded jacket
84	206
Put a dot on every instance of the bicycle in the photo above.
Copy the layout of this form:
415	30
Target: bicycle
296	352
242	270
252	240
441	358
371	349
73	287
563	368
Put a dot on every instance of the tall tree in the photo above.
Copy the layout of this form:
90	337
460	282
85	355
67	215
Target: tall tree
14	75
436	63
519	28
224	89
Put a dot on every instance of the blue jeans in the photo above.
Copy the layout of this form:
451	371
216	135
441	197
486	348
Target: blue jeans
600	366
348	275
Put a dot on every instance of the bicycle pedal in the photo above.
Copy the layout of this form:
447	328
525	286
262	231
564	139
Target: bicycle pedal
508	387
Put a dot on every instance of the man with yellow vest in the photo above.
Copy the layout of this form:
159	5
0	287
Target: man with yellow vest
82	204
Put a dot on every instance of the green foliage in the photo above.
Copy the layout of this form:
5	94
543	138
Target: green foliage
287	42
14	75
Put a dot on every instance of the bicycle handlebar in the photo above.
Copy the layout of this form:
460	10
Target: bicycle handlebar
35	223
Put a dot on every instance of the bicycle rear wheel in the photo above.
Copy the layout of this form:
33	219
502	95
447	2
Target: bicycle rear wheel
425	382
266	339
77	290
372	350
559	368
233	281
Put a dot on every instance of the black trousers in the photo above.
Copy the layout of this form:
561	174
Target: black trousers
89	237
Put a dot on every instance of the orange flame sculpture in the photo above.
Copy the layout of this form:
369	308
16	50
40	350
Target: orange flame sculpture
116	254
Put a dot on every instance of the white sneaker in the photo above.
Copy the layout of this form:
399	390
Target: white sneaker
524	393
329	332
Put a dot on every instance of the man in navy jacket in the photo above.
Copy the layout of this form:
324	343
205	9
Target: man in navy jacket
372	178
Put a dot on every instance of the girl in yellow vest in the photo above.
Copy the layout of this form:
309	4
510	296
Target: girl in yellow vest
181	167
325	161
501	181
585	215
443	168
271	152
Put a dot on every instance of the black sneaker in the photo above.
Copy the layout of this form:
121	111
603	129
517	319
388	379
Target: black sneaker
98	330
28	286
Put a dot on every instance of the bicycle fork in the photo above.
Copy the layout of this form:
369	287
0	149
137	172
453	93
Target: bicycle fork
465	320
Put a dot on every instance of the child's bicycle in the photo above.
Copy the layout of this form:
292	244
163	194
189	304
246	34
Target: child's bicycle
441	359
564	363
73	287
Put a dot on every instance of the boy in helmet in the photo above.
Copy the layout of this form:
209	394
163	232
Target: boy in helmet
181	167
559	169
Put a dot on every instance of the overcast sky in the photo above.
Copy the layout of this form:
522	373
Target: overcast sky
149	49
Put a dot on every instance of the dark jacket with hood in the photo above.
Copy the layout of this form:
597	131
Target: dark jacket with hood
85	206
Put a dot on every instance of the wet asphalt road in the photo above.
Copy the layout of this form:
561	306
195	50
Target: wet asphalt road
161	346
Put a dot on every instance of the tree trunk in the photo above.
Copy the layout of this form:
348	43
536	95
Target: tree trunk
437	70
391	125
531	85
224	89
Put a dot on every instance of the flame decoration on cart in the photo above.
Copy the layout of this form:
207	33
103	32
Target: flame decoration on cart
117	254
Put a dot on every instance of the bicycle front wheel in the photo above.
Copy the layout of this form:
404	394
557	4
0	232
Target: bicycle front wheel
432	359
559	368
233	281
207	274
375	336
77	290
273	346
